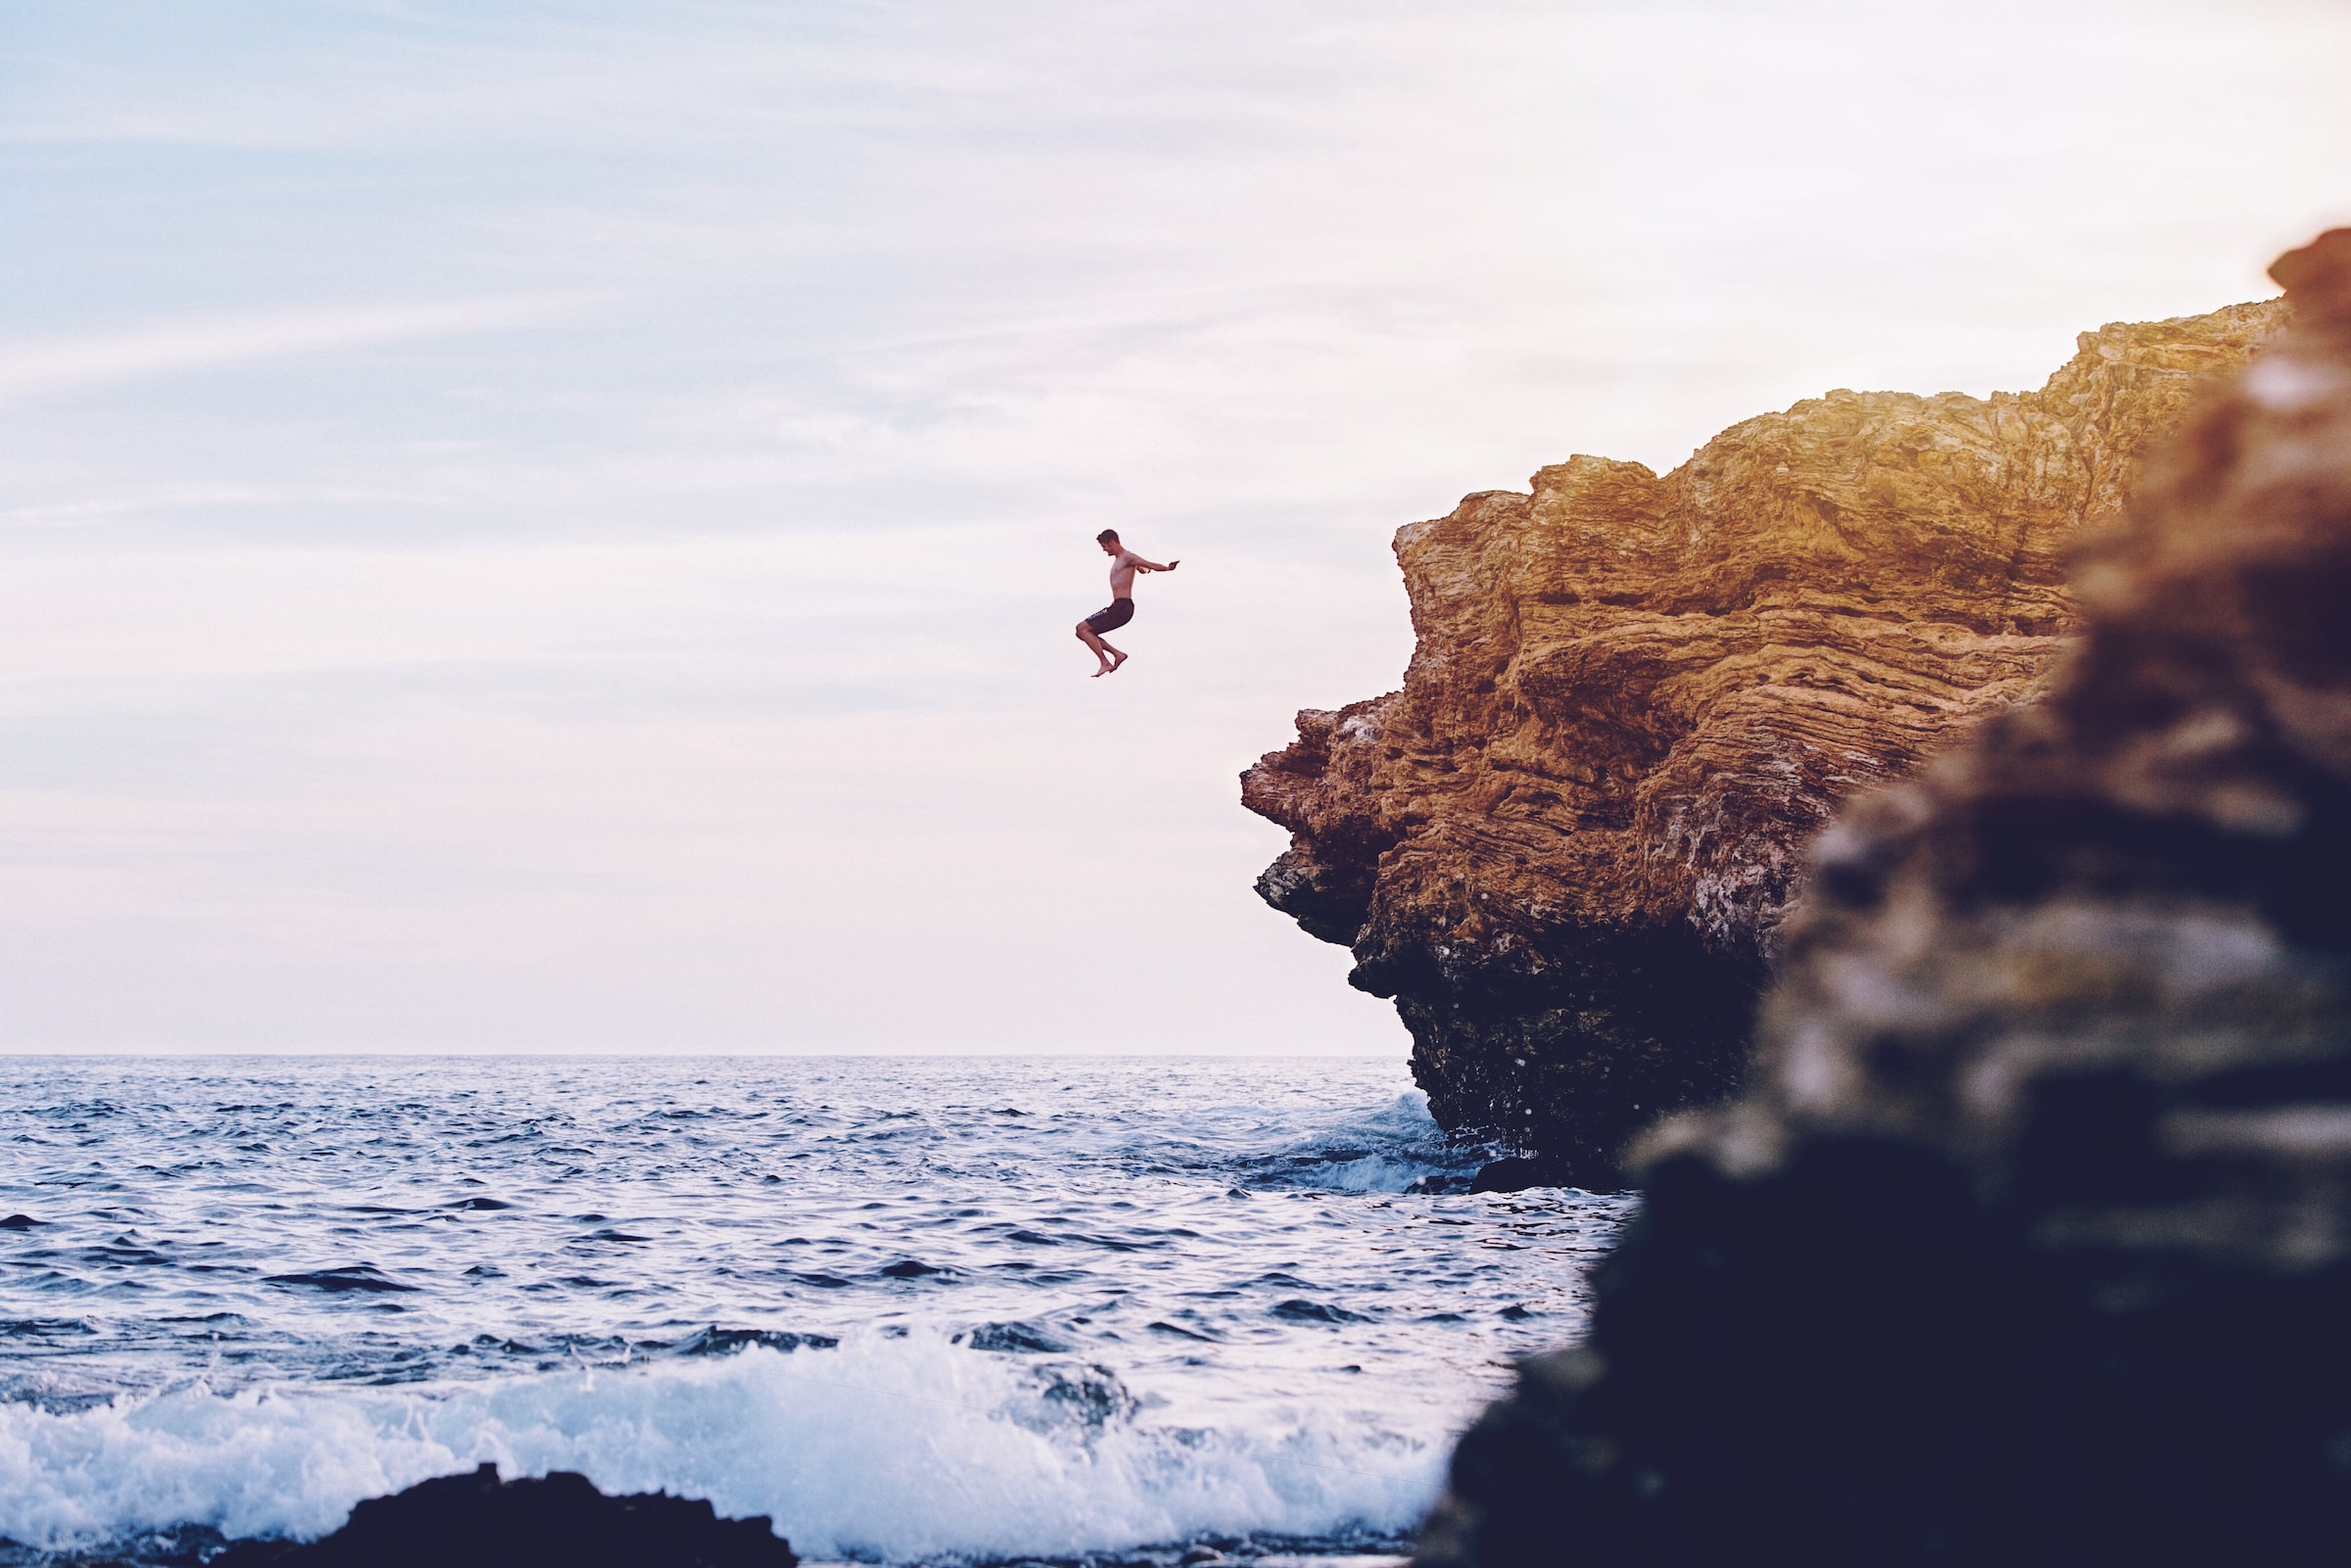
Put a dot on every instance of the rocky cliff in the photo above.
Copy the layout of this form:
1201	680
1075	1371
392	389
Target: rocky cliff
1565	847
2031	1241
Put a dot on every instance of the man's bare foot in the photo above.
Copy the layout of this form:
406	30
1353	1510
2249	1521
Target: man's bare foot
1115	660
1105	670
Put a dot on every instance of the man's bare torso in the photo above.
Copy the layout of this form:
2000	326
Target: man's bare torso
1122	574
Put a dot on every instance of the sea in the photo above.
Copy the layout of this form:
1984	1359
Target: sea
914	1309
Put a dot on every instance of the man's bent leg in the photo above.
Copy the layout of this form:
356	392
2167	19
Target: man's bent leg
1093	639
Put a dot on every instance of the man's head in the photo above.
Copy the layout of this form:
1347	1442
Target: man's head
1108	538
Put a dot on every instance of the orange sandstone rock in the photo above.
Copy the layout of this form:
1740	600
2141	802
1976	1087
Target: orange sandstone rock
2028	1240
1566	845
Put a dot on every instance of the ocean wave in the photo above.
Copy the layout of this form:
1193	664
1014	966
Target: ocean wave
1387	1150
885	1448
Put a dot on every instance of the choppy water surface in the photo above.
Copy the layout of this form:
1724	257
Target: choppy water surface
912	1308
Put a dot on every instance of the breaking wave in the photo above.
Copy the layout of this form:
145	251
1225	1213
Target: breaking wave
909	1308
885	1448
1392	1149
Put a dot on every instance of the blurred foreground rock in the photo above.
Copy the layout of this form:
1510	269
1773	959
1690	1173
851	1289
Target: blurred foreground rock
1566	845
2030	1244
478	1521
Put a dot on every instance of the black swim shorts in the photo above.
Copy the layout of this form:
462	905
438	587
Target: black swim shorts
1117	613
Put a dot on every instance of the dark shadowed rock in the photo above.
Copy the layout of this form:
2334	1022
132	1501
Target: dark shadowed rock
478	1521
2030	1241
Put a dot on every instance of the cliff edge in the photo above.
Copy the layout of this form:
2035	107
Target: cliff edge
1566	846
2030	1242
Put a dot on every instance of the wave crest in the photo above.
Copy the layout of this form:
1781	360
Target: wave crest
885	1448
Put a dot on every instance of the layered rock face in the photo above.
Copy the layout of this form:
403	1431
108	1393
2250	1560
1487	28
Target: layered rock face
1565	847
2031	1241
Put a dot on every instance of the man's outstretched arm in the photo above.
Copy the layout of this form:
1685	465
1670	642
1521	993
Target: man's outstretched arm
1142	565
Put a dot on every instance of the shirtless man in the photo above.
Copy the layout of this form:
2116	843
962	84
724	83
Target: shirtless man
1124	564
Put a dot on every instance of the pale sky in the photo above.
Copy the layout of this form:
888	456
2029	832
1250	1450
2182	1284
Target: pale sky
555	526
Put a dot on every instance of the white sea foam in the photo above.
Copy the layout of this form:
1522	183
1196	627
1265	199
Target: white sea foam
896	1447
1386	1150
541	1268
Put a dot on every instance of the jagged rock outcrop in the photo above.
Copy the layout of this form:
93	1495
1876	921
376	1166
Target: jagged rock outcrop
1566	845
2030	1244
479	1521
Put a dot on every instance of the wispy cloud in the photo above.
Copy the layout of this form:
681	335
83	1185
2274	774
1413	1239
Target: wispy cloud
35	367
368	651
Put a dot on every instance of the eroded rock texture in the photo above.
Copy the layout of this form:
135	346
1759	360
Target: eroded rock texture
2031	1241
1566	845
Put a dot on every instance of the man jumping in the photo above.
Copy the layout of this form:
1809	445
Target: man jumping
1124	564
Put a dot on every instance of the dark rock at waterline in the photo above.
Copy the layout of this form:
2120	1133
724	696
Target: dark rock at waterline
1510	1173
478	1521
2030	1242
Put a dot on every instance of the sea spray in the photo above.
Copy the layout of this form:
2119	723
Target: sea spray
891	1448
908	1309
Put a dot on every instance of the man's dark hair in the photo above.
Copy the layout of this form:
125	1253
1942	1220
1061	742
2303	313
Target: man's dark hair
1108	535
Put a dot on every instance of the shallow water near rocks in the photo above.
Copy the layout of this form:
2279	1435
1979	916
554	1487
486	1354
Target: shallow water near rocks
912	1308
